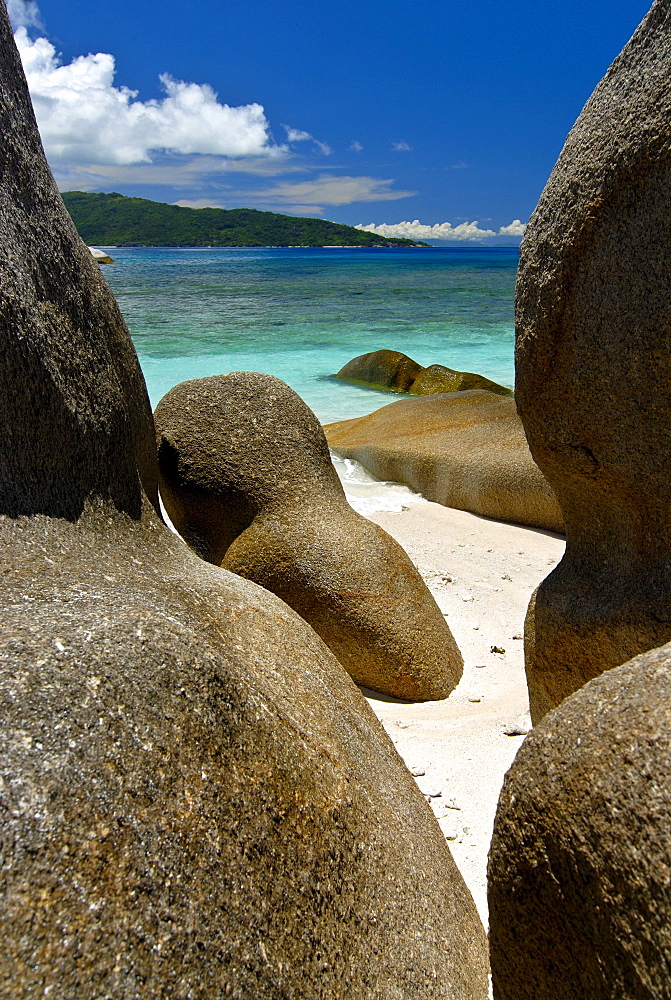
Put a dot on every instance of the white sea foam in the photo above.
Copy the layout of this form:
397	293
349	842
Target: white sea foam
366	494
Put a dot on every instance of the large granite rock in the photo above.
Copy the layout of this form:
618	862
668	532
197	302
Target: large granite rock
594	369
579	868
464	450
247	479
195	800
399	373
438	378
382	370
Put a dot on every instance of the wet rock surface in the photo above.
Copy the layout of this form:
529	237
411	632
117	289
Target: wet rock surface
247	479
593	365
464	450
397	372
382	370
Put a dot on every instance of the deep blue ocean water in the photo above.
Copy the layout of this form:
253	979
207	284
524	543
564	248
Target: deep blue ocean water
300	314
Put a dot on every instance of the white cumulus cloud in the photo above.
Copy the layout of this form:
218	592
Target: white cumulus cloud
402	146
304	209
24	14
516	228
296	134
469	231
465	231
84	118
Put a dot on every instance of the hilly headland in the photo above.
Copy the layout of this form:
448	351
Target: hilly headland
114	220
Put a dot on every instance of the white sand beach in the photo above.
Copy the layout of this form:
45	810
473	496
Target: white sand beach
482	574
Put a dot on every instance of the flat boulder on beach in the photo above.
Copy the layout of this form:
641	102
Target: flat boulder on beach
247	479
464	450
196	800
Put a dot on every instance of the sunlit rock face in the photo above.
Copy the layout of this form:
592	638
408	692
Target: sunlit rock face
593	356
579	874
247	478
195	800
462	449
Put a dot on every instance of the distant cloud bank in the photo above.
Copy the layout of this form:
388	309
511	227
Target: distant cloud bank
464	232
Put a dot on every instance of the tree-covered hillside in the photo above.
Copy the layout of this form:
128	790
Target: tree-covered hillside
114	220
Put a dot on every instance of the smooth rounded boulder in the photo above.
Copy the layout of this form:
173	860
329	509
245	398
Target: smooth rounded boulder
196	801
465	450
579	873
382	370
247	479
593	358
438	378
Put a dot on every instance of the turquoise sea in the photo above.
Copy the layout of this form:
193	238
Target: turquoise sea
300	314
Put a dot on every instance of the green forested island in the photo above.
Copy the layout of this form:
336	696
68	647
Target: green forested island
114	220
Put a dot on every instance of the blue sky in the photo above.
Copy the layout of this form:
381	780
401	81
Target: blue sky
450	112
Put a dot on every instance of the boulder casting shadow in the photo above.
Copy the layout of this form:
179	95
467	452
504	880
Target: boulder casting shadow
195	799
247	479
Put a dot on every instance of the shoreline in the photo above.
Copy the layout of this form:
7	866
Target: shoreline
482	574
298	246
